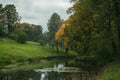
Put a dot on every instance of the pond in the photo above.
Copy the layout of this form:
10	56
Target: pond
61	70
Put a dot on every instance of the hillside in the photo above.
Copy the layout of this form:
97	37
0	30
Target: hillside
12	52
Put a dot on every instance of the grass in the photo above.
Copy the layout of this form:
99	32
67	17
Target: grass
111	72
32	66
12	52
30	49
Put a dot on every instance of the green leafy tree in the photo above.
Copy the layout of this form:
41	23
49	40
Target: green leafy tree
94	29
1	31
53	25
25	27
12	17
44	38
92	20
3	21
37	32
34	32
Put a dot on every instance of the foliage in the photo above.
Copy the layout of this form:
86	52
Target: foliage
22	37
93	30
42	42
10	24
13	36
12	17
34	32
53	25
38	32
45	37
2	21
60	34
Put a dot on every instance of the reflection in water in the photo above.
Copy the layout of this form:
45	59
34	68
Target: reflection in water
58	76
54	74
44	75
31	75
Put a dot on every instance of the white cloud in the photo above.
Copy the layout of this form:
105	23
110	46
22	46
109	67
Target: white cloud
39	11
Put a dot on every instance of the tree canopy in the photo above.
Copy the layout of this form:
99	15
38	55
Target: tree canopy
10	25
53	25
93	29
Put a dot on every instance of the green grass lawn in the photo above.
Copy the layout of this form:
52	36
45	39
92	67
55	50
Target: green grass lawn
12	52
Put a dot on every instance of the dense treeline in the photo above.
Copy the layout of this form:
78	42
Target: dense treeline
10	26
94	31
97	19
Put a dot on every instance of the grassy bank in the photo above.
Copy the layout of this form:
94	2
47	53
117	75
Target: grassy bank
12	52
111	72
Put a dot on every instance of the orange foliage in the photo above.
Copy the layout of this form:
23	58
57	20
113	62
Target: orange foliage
60	33
66	42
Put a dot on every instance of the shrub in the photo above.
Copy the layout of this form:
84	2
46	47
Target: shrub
22	37
13	36
42	42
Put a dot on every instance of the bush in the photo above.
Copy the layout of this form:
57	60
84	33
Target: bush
42	42
13	37
22	37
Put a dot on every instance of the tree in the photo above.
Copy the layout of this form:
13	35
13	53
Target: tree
94	29
116	16
3	21
25	27
38	32
92	19
12	17
53	25
34	32
61	34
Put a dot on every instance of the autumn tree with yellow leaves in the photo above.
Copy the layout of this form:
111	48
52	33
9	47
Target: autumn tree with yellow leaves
61	34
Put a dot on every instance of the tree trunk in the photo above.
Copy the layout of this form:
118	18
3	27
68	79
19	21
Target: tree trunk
116	5
110	35
66	50
57	47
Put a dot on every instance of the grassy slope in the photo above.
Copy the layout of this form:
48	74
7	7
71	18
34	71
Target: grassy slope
14	52
111	72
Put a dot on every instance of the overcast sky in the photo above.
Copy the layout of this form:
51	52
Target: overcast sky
39	11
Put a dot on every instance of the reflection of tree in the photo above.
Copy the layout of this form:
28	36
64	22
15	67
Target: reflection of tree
31	75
